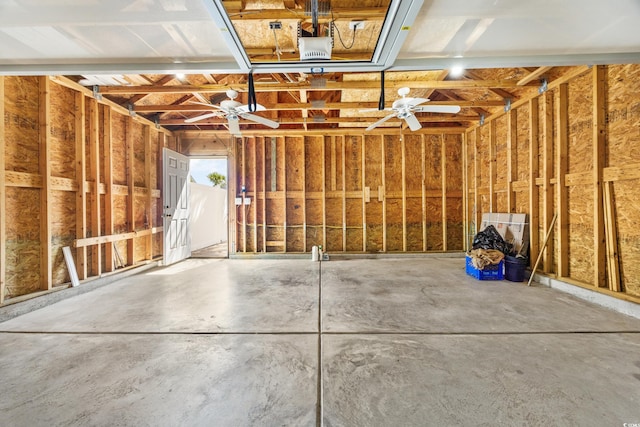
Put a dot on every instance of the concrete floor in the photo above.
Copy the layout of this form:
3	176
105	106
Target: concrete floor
235	342
219	250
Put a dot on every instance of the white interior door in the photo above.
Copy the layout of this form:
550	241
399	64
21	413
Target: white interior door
175	199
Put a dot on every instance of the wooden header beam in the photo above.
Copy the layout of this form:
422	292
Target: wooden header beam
308	106
207	134
239	13
309	120
331	85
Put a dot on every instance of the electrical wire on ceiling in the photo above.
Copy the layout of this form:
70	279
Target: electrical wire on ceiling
275	39
353	38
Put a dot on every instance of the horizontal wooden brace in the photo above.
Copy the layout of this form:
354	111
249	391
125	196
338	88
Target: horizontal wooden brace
330	85
32	180
319	195
99	240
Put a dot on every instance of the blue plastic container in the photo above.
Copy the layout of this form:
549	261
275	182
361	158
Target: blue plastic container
490	272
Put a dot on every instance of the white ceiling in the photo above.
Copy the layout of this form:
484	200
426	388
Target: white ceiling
163	36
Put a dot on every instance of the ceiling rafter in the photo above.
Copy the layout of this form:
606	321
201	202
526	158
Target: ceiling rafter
160	82
500	92
308	106
443	75
330	85
460	101
533	75
303	120
337	13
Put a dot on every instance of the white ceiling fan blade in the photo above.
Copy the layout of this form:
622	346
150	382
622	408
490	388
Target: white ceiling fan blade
413	122
438	109
234	126
260	120
412	102
201	117
403	103
379	122
245	108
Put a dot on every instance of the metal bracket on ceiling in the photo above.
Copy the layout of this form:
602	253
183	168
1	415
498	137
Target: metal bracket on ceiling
481	119
96	93
544	86
507	104
318	104
156	120
131	112
318	83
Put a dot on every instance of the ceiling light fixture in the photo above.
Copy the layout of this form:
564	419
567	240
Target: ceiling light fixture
456	71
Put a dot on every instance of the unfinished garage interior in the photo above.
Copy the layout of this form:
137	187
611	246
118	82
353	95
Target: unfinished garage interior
381	131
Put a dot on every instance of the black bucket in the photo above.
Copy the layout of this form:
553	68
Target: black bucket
514	268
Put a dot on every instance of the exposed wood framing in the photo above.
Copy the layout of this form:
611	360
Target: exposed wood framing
476	182
148	212
547	175
404	192
533	75
254	186
243	207
84	136
3	204
94	179
264	196
613	261
108	182
493	172
232	192
131	247
66	82
382	190
330	85
284	192
443	172
561	188
333	163
599	151
423	192
344	193
104	240
44	155
466	192
304	200
324	191
81	177
512	135
534	196
365	198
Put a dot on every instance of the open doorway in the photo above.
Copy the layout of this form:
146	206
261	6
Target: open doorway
209	207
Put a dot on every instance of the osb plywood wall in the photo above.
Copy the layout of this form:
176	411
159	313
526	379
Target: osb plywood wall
573	151
349	193
73	172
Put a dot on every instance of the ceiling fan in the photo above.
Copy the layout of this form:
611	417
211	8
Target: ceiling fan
233	111
404	108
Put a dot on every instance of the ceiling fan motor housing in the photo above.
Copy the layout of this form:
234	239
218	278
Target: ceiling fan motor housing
229	104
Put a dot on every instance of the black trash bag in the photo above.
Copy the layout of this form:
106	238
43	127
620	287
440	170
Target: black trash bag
489	238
